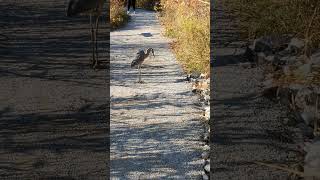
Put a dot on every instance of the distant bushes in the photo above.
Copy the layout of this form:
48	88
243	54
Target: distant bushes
118	15
147	4
188	22
300	18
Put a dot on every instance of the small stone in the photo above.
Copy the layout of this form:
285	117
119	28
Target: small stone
295	45
205	177
261	58
308	117
304	70
315	58
270	58
206	148
206	137
268	83
312	159
203	75
286	70
296	87
245	65
205	155
306	130
262	44
207	168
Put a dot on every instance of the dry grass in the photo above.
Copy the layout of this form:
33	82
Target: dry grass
300	18
188	22
118	15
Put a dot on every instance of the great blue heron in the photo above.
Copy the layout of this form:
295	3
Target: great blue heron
91	8
138	60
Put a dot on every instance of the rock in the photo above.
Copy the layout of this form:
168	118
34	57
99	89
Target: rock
276	61
205	155
207	98
207	168
303	71
296	87
284	96
312	159
268	83
205	177
203	161
270	59
245	65
203	76
270	44
194	75
249	54
207	113
199	86
286	70
293	60
263	44
206	148
285	53
315	58
296	45
306	130
308	117
206	137
301	97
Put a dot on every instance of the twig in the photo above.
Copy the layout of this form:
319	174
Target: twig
315	128
282	168
307	37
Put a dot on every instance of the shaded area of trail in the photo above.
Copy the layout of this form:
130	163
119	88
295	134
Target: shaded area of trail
155	126
52	104
246	127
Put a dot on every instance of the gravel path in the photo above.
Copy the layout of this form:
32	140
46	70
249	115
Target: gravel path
52	104
154	126
246	127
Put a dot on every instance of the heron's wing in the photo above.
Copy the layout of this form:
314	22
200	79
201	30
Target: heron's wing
140	51
138	59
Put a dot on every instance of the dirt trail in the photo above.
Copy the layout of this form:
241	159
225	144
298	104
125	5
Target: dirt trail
154	126
52	105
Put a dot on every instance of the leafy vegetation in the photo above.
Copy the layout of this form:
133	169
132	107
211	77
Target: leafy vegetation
188	23
118	15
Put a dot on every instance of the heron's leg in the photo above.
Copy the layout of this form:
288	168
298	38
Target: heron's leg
139	73
96	41
92	39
